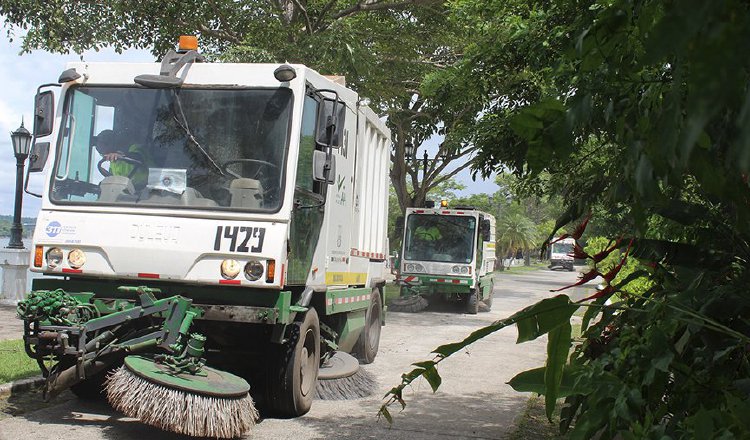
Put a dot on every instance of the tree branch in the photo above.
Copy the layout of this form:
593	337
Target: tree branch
370	5
308	24
323	13
215	33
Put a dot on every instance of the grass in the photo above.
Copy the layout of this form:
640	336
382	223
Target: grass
14	362
515	270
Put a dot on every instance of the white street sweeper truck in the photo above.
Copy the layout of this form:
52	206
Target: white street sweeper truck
208	233
446	253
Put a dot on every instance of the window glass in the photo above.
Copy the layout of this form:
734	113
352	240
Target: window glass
204	148
307	144
441	238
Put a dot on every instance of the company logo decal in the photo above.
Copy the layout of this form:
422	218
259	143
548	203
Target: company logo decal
53	228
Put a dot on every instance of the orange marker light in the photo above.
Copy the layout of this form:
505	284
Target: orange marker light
444	203
38	256
188	42
270	271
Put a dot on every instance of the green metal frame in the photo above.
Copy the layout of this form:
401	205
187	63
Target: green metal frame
486	283
426	287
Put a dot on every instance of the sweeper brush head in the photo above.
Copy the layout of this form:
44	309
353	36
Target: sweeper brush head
341	378
199	409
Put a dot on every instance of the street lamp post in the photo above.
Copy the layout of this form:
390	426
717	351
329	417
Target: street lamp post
21	139
409	151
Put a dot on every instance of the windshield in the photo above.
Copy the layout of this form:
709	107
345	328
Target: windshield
192	148
562	248
443	238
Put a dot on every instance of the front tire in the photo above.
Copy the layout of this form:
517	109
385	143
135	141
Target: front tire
472	302
367	345
294	373
408	304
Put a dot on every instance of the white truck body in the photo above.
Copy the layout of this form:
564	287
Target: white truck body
560	253
248	200
448	252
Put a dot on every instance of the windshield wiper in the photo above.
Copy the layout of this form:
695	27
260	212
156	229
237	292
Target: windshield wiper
184	126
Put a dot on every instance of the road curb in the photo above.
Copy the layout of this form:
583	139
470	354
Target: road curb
21	385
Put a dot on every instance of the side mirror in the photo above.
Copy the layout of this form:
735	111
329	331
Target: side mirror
331	115
320	162
44	110
484	229
38	156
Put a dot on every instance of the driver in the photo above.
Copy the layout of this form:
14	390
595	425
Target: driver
106	145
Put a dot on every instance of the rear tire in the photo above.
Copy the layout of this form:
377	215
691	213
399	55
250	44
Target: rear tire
472	302
294	371
367	345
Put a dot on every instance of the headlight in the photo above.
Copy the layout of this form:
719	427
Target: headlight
253	270
455	269
76	258
464	270
54	257
409	267
418	268
230	269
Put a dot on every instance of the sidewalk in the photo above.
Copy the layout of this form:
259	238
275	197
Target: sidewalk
10	326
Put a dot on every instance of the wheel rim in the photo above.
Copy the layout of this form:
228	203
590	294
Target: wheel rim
307	364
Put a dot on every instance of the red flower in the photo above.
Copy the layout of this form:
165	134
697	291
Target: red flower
609	276
605	253
578	252
585	278
582	227
599	293
577	233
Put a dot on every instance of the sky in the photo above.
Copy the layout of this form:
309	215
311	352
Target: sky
20	76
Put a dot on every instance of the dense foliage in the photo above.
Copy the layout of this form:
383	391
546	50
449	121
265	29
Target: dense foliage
384	49
638	110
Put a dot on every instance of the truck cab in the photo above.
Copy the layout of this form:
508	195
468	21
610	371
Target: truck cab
561	254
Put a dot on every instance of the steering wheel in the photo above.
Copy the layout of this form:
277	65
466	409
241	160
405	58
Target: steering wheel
261	164
137	164
268	190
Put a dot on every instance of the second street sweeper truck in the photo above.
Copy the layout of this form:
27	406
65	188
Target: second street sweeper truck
212	236
449	253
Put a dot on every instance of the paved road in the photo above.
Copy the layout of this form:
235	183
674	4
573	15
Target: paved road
474	401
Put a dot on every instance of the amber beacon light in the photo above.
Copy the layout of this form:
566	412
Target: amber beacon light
188	42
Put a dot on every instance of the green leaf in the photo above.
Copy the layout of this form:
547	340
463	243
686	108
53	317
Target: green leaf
433	378
527	330
543	316
558	346
532	381
424	364
413	374
446	350
386	414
